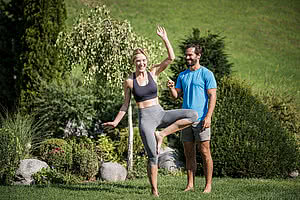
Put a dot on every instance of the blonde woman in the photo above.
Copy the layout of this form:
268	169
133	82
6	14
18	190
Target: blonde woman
142	83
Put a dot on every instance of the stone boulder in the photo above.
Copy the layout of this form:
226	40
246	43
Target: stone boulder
169	159
110	171
26	169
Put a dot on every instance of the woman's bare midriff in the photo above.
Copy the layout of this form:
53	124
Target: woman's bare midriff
148	103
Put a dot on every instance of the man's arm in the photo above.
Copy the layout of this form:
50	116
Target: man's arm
175	92
212	95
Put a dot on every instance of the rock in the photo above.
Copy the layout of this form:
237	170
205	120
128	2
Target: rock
110	171
294	174
26	169
168	159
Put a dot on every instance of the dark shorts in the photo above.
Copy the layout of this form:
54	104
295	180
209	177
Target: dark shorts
195	133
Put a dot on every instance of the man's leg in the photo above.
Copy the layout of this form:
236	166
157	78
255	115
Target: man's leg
204	148
190	157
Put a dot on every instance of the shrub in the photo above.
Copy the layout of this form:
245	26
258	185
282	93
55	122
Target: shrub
283	108
247	141
60	102
49	175
19	134
85	158
57	153
106	149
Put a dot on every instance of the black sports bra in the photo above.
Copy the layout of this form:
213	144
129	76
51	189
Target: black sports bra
143	93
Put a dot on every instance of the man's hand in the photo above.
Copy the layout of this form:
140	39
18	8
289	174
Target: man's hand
171	84
206	122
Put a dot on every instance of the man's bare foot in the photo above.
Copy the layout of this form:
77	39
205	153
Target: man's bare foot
207	189
188	188
159	140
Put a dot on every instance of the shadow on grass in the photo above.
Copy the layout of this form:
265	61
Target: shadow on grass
102	186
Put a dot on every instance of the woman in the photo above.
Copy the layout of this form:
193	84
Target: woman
151	115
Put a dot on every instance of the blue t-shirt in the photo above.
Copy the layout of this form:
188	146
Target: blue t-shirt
194	85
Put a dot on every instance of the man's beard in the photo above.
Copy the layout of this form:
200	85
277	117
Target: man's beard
192	63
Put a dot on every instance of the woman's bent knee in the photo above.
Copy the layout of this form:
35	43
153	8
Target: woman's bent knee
193	116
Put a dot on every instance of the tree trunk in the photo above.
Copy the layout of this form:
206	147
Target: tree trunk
130	140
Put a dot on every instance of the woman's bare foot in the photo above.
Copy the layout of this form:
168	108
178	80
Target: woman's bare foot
155	193
207	189
159	140
188	188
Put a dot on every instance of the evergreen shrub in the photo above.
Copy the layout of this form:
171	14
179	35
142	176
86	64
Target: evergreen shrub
247	140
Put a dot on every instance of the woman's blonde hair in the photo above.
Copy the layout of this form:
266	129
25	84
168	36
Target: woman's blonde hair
138	51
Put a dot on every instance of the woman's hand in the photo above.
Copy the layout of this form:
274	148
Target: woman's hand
161	32
110	124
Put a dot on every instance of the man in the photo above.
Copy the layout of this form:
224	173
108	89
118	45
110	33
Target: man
198	86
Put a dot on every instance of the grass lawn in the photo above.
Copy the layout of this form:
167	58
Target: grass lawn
262	37
170	188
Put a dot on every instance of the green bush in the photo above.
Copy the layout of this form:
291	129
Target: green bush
247	140
75	155
19	134
49	175
57	153
284	108
85	158
106	149
60	102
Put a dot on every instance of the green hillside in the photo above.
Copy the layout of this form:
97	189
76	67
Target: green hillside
262	36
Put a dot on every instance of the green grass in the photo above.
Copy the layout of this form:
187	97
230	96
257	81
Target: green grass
169	187
262	37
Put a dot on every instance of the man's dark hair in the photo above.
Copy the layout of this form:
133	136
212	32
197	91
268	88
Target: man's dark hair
198	49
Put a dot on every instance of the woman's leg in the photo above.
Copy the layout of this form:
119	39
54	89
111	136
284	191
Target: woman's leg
152	176
175	120
147	126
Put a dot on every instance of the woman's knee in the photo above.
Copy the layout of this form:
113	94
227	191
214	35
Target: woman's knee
194	116
153	160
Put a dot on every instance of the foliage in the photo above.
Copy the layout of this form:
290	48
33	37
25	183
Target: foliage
106	149
43	20
49	175
86	162
247	140
68	100
213	57
284	109
57	153
19	134
74	155
103	46
139	167
122	143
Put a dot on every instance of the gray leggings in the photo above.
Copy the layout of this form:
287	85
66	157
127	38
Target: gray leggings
154	117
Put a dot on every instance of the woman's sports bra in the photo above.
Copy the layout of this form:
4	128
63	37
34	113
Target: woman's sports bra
143	93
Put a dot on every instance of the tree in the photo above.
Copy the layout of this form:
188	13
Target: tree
103	46
43	20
